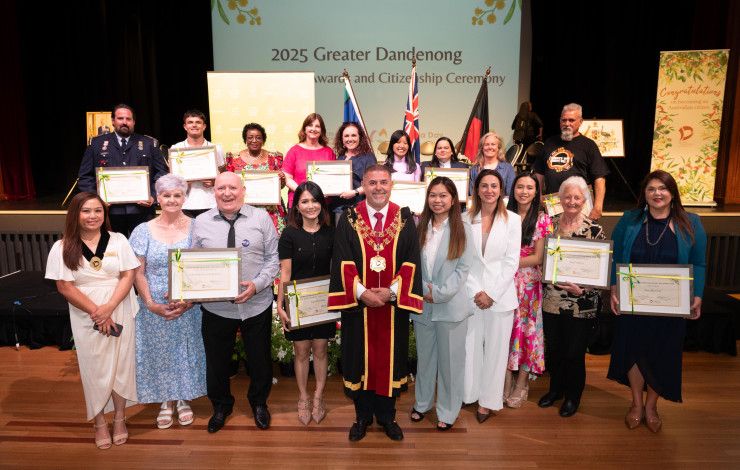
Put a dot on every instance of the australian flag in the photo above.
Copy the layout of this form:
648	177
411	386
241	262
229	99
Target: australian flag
411	119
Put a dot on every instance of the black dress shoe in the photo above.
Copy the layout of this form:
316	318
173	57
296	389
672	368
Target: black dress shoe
261	416
358	430
393	430
482	417
548	399
217	421
568	408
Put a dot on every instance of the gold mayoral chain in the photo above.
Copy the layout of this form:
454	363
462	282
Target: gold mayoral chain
378	240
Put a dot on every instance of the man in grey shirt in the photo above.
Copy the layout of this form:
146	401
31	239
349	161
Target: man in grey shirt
235	224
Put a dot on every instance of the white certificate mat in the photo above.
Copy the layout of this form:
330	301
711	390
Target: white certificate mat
578	260
123	184
306	302
459	176
262	188
194	163
334	177
411	195
204	275
657	289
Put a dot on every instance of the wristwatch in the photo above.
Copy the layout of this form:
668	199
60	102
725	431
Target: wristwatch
393	297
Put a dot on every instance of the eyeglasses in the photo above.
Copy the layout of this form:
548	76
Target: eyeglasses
254	139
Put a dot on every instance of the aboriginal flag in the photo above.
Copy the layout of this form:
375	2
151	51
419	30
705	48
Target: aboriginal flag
477	124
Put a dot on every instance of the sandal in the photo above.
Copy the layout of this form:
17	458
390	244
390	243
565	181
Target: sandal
120	438
164	419
416	416
319	410
185	414
444	426
517	397
304	411
104	443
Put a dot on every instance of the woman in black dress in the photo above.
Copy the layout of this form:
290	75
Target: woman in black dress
305	251
647	350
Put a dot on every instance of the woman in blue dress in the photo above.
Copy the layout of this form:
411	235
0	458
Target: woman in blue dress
170	358
647	350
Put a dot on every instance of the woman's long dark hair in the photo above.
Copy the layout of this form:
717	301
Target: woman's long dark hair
529	221
477	204
678	213
453	156
72	243
410	162
295	219
363	147
456	247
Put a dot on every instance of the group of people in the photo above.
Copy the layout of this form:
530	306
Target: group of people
469	279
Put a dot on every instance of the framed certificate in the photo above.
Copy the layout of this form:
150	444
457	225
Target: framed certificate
306	302
459	176
578	260
123	184
193	163
408	194
608	135
554	207
204	275
655	289
334	177
262	188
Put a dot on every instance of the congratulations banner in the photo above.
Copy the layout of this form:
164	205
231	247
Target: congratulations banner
688	117
452	42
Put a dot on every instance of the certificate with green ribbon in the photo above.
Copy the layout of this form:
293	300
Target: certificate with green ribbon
123	184
459	176
334	177
306	302
554	207
262	188
411	195
193	163
655	289
582	261
204	274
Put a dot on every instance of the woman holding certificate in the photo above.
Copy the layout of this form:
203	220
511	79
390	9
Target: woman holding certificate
94	270
400	160
647	350
496	244
170	357
569	310
255	158
527	348
305	251
311	146
351	144
446	256
491	156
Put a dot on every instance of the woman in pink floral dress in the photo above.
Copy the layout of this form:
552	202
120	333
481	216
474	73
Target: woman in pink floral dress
527	354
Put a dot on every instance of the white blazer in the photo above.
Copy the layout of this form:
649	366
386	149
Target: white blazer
494	272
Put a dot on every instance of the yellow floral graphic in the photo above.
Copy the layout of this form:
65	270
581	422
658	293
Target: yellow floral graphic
238	7
487	11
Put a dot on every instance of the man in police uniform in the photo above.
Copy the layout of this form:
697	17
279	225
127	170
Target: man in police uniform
123	148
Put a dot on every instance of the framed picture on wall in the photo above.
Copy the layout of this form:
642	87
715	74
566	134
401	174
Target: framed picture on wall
607	133
98	123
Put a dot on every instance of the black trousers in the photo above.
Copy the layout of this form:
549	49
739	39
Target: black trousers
566	339
126	223
219	335
369	404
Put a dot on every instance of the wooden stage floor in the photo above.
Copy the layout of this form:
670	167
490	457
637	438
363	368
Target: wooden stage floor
42	418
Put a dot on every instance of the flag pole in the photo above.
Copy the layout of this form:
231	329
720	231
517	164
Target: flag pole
348	82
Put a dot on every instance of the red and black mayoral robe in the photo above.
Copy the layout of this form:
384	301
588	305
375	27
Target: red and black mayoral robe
375	340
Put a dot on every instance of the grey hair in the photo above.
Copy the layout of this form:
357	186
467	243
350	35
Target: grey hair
573	107
170	182
579	183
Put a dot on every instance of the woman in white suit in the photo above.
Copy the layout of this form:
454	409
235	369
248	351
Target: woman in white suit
496	237
446	254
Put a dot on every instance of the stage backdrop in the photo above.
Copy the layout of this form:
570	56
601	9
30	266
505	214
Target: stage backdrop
688	117
453	43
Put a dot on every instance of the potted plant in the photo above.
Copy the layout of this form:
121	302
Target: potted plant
281	349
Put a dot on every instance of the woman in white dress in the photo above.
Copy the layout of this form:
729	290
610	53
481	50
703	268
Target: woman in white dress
496	236
94	270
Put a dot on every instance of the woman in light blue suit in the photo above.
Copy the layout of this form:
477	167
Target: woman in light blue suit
496	236
441	328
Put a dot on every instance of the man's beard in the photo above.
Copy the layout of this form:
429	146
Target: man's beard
566	134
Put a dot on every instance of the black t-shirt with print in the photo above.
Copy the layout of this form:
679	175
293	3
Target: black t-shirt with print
562	159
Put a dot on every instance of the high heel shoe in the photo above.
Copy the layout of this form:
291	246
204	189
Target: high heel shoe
319	410
508	385
517	397
104	443
655	423
122	437
634	417
304	411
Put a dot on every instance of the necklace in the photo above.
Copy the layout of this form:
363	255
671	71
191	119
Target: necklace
378	240
647	231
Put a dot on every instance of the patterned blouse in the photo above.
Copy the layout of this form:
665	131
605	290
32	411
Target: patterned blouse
557	300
